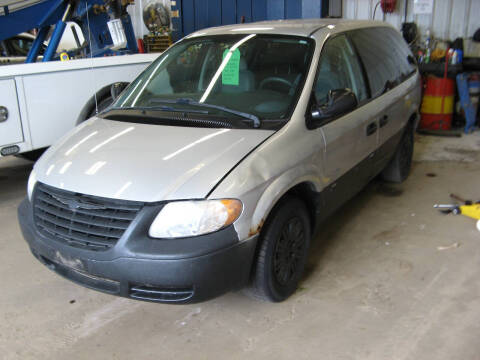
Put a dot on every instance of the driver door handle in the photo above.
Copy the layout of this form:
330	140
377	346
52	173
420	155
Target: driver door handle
371	128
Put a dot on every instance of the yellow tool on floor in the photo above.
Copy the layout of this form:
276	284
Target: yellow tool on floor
469	208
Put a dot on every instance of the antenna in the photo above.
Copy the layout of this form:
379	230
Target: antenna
91	58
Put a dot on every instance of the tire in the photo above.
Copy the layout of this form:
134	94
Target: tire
33	155
283	251
102	105
399	167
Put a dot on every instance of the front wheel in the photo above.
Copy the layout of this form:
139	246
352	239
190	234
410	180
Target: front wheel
102	104
399	167
32	155
284	244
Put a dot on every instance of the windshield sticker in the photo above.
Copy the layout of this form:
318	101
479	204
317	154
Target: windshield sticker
230	74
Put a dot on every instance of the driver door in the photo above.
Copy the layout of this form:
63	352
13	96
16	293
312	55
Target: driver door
351	138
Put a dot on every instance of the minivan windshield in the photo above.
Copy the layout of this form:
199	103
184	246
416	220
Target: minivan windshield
248	76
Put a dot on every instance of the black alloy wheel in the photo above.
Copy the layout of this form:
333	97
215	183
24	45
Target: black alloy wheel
289	251
282	251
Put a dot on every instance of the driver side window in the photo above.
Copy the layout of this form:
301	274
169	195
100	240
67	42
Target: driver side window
339	69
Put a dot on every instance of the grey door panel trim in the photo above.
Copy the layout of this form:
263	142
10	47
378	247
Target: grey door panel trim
354	180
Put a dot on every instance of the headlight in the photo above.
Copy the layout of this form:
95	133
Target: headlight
192	218
32	180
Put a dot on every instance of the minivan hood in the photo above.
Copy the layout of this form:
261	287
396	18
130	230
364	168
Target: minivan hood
144	162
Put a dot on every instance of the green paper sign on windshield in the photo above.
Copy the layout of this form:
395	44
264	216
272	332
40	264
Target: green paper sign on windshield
230	74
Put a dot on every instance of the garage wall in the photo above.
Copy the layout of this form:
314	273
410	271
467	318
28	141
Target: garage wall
198	14
450	18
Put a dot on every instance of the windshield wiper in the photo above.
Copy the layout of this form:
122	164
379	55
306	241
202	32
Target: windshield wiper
163	108
188	101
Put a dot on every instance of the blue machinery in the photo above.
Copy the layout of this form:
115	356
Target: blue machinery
191	15
187	17
91	15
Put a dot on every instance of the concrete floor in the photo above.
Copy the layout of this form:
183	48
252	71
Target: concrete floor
378	286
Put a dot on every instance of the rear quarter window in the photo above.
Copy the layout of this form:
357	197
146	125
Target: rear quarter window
385	56
402	53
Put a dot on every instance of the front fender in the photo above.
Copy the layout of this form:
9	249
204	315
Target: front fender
260	199
278	188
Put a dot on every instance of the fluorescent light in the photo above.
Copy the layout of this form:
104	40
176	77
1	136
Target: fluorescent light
195	35
111	139
252	28
122	189
154	72
205	138
222	66
95	167
80	143
65	167
50	169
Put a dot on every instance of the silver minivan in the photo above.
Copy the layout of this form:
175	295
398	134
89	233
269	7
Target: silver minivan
213	169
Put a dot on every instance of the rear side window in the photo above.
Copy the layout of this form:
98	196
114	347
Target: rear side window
339	69
385	56
402	53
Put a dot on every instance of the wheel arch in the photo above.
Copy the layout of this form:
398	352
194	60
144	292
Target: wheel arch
413	120
101	94
306	189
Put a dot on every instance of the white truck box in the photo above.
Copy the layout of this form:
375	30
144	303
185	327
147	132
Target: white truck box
45	100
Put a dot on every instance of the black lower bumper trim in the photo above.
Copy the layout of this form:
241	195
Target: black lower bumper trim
161	294
121	272
81	278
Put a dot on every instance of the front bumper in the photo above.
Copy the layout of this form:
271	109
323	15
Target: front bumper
137	268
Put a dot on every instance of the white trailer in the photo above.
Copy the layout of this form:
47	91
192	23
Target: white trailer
40	102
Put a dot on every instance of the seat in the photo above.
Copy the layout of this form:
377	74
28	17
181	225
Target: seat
246	80
327	79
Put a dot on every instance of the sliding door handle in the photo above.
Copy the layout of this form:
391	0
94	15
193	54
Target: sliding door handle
371	128
383	120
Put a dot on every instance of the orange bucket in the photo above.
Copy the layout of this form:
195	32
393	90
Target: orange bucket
437	104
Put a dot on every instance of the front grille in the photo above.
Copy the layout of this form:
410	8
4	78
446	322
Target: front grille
80	220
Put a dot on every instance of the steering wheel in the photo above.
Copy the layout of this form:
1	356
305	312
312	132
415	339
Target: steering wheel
272	79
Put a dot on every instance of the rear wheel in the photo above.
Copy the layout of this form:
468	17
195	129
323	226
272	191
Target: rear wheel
284	244
399	167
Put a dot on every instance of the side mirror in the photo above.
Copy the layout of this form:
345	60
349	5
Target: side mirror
117	88
340	102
